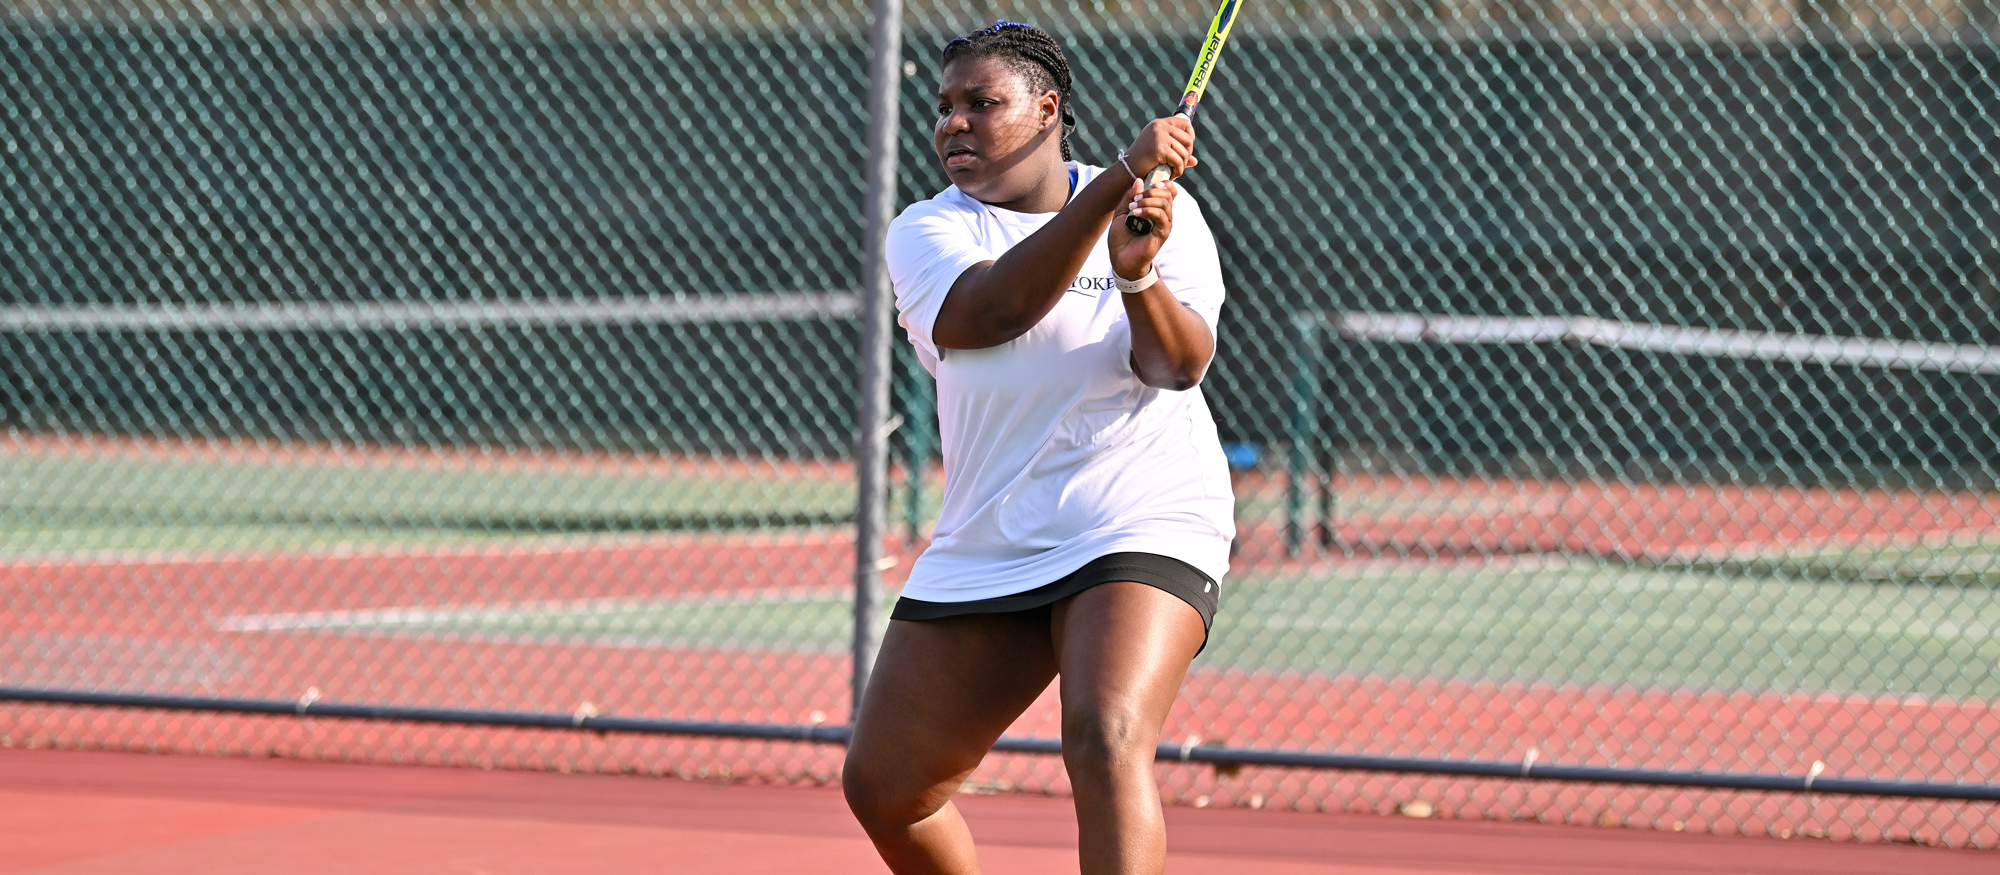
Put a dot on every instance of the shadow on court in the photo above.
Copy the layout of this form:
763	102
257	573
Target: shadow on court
90	812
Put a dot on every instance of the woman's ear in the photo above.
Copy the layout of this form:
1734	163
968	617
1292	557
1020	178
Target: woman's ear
1050	107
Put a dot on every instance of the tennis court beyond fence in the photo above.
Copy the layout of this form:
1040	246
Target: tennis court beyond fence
1613	395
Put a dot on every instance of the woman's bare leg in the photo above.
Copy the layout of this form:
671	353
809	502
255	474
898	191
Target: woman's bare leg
1123	650
941	694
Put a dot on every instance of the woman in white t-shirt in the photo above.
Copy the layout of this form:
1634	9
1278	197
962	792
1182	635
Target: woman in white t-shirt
1087	511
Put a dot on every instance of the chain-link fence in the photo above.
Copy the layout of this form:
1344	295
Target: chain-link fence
1608	385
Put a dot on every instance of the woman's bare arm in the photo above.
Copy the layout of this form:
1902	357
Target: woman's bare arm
993	302
1171	344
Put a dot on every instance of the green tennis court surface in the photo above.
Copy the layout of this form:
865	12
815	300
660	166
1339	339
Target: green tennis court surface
1592	622
63	502
1548	619
1970	564
96	496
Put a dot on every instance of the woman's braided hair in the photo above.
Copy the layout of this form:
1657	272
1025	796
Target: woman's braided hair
1032	53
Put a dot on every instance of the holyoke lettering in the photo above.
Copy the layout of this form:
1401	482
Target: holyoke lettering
1092	286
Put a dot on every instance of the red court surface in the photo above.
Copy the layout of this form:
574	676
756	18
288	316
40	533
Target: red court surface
87	812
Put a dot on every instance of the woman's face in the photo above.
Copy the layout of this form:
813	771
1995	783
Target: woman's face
991	128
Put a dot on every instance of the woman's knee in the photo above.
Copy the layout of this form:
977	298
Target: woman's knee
1108	739
884	796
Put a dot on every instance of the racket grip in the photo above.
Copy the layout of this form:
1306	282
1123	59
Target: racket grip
1138	226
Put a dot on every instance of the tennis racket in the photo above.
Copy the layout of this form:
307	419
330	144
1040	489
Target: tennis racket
1204	65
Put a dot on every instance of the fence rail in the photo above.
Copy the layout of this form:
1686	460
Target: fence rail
431	315
1191	751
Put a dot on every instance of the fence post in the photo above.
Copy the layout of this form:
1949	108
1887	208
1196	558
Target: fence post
871	438
1329	419
1303	423
919	418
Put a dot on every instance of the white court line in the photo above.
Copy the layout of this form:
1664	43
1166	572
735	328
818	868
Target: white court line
422	615
1815	349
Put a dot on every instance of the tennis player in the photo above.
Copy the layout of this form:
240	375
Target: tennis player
1087	512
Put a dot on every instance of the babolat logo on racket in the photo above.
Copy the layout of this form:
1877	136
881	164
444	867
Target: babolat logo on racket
1204	66
1211	49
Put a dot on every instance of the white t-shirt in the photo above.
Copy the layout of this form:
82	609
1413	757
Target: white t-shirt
1054	453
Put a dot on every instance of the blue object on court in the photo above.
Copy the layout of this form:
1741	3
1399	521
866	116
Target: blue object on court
1242	456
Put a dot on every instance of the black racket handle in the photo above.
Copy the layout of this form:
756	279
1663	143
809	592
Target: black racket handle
1138	226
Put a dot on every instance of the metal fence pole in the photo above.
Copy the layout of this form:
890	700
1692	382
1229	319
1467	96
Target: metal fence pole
919	418
871	459
1303	425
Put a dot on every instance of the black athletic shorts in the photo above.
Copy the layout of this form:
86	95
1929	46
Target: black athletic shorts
1183	580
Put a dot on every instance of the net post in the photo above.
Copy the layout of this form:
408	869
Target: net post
1305	377
871	460
1327	446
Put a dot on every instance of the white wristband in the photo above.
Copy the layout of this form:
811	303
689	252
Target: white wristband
1133	287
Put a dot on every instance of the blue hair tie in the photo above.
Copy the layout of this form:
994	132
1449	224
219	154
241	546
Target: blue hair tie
996	27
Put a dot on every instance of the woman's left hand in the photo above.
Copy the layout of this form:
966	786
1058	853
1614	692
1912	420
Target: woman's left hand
1132	256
